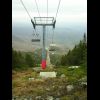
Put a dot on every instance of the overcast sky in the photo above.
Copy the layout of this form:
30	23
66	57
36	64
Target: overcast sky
71	21
70	12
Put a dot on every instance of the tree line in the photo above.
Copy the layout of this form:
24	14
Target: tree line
21	60
76	56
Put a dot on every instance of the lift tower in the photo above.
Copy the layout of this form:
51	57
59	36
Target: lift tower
43	21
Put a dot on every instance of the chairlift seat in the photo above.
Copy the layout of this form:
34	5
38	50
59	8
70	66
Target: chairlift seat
35	40
52	47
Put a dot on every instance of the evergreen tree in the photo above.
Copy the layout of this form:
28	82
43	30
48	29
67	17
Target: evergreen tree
29	60
15	59
77	56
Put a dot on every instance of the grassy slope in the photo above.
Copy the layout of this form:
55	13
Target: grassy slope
21	86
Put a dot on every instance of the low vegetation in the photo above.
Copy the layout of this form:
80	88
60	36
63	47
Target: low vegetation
27	83
22	86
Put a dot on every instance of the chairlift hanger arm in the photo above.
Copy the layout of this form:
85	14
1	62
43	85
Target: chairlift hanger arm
33	23
54	24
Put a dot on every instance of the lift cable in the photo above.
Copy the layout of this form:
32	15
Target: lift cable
38	10
57	9
55	20
27	13
26	9
39	13
47	11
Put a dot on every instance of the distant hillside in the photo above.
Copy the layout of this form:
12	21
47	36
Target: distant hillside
16	38
63	37
21	44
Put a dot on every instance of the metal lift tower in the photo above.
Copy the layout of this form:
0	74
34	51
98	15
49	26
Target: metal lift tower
43	21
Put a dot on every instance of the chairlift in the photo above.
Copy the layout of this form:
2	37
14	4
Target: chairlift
52	47
36	37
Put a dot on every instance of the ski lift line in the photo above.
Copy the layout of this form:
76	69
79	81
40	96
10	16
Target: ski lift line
47	8
47	11
25	9
38	9
57	9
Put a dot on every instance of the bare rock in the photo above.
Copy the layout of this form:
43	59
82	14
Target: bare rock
70	88
63	75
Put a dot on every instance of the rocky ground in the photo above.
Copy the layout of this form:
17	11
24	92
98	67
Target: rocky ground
27	85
